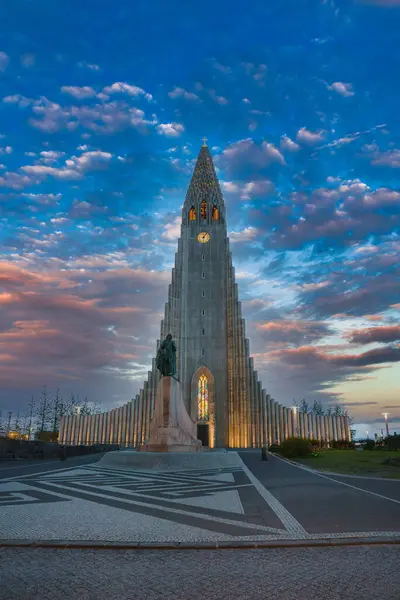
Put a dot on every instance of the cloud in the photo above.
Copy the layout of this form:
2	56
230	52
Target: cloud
344	89
288	144
247	155
248	234
249	189
293	331
79	92
91	67
170	129
73	168
179	92
125	88
384	334
305	136
4	60
390	158
28	60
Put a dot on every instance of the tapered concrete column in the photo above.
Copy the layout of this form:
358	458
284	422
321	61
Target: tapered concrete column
301	425
67	430
122	428
295	421
141	407
270	420
107	430
348	430
285	425
335	428
136	420
281	424
311	428
326	428
289	417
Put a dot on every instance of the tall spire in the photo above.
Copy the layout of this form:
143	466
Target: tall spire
204	184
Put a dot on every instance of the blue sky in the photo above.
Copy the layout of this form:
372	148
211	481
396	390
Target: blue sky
102	111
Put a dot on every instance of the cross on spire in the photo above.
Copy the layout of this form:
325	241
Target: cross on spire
204	139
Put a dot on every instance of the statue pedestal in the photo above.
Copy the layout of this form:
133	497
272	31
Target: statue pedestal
171	428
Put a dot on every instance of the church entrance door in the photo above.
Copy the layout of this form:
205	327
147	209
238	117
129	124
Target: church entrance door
202	433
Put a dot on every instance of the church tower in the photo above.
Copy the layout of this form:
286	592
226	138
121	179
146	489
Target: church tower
204	316
220	387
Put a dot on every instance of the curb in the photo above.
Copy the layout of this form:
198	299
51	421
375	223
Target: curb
273	544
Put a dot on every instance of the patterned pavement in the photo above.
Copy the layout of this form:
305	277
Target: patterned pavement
255	502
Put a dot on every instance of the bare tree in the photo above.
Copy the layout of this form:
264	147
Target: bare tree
317	408
31	408
3	428
304	408
44	411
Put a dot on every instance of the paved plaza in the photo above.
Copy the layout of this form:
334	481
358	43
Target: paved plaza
255	502
109	530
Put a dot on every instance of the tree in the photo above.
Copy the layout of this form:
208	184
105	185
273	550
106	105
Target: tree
44	411
317	408
304	408
3	428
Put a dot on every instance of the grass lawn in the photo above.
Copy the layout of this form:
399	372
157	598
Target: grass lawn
356	462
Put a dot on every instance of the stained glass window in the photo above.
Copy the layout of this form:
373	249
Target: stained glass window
192	214
215	213
202	398
203	210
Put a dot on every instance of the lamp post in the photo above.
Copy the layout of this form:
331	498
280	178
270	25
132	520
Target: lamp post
385	415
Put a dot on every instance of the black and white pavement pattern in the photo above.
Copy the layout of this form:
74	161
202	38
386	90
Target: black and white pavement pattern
256	501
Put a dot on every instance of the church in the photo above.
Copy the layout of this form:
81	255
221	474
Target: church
221	388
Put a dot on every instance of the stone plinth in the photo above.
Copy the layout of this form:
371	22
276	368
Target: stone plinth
165	461
171	428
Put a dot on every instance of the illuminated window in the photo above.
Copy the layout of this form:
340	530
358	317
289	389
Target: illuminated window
203	210
215	213
202	399
192	214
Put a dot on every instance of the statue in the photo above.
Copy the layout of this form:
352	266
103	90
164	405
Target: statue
166	357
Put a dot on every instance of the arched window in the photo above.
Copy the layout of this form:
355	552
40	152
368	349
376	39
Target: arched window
202	398
203	210
192	214
215	213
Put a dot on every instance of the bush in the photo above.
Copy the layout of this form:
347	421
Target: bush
343	445
274	448
393	442
294	447
369	444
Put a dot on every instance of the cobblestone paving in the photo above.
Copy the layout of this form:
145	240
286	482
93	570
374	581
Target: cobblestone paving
370	573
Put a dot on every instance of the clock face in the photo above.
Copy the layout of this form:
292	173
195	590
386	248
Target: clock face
203	237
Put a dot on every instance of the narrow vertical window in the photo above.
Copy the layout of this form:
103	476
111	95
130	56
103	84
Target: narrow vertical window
215	213
203	294
192	214
203	210
203	312
202	352
203	275
202	398
203	257
203	331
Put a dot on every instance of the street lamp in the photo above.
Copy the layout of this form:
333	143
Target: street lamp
385	415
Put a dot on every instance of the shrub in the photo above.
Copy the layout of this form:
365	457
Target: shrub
274	448
294	447
343	445
393	442
369	444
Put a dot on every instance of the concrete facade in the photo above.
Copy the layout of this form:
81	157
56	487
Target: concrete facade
204	315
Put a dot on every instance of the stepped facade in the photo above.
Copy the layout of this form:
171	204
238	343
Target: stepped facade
220	386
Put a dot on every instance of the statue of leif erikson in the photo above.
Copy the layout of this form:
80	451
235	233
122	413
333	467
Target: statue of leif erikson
166	357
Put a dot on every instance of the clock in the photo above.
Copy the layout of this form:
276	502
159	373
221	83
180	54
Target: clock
203	237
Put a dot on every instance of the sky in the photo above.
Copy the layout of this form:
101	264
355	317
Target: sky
102	111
